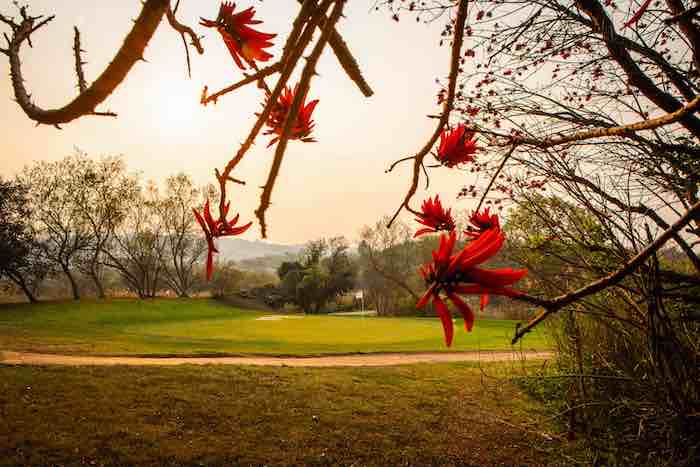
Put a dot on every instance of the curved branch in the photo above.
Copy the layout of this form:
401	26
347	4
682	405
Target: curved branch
85	103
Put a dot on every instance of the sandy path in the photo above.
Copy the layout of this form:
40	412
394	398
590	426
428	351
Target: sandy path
377	359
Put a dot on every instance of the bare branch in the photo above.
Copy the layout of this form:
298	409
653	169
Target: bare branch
623	130
457	41
602	24
346	59
287	69
267	71
495	176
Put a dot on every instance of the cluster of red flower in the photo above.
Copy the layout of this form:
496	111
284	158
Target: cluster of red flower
457	273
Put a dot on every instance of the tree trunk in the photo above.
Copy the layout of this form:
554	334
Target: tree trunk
19	280
98	285
95	276
73	284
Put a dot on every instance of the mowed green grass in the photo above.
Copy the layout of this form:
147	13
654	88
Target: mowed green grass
440	414
201	326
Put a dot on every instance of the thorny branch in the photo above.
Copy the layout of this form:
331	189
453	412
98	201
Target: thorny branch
85	103
457	41
294	54
307	74
82	84
338	45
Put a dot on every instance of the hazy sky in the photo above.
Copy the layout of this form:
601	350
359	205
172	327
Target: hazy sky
327	188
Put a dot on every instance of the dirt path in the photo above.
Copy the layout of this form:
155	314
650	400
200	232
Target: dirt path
377	359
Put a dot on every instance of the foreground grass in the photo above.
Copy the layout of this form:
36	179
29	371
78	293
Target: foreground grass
419	415
184	327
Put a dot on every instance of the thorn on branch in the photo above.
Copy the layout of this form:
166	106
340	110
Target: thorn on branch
82	84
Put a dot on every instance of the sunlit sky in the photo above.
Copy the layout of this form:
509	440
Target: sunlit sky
332	187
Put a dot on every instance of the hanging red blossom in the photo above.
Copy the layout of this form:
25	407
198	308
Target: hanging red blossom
457	146
241	40
434	217
458	274
217	228
481	221
302	126
638	14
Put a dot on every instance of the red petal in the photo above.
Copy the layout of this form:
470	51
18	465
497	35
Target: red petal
233	49
496	277
426	296
238	230
484	301
201	222
465	309
207	217
444	314
423	231
210	264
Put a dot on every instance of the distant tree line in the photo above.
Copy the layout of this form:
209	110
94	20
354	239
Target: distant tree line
94	224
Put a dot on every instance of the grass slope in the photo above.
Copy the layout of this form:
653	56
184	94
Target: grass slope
183	327
410	415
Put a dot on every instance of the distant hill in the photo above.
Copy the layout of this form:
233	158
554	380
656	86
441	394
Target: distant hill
237	249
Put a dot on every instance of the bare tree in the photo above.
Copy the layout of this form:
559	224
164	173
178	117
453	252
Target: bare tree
184	247
390	259
137	246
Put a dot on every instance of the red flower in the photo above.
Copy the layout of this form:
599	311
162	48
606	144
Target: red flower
481	222
434	217
458	274
240	39
217	228
638	14
302	126
457	146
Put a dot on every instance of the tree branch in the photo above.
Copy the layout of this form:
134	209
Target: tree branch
603	25
554	305
622	130
457	41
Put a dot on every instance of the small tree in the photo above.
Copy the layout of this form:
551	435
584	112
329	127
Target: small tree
137	246
20	256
